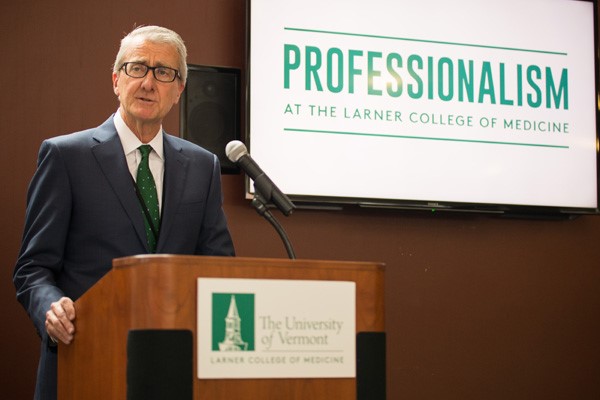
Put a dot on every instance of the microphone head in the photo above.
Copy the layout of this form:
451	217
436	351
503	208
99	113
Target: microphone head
235	150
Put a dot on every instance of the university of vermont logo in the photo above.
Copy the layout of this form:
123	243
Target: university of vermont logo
232	322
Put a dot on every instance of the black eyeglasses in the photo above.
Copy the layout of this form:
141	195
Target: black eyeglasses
139	70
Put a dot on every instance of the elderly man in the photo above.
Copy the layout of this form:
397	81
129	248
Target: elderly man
123	188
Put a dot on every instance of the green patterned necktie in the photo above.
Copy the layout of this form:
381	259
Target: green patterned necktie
147	190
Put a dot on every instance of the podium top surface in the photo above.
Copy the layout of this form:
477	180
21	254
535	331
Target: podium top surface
157	259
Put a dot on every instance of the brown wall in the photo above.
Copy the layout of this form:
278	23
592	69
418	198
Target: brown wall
476	307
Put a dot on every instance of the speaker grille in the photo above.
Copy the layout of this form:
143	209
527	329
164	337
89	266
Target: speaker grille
210	111
159	365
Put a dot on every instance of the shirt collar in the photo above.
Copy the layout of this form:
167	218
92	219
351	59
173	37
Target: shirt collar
131	142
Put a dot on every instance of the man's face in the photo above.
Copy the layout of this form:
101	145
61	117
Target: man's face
146	100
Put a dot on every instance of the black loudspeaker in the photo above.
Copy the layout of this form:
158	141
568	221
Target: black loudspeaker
160	365
370	366
210	110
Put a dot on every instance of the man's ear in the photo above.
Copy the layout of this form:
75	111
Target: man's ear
180	90
115	80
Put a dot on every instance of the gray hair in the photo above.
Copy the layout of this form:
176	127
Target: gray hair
154	34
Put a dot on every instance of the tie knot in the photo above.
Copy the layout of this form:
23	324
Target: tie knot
145	149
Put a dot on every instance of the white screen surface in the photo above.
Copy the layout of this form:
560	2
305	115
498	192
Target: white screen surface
463	101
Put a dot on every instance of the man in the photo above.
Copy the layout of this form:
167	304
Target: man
84	207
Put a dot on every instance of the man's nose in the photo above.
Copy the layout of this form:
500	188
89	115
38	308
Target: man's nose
148	81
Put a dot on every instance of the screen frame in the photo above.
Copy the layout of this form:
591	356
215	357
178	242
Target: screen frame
332	202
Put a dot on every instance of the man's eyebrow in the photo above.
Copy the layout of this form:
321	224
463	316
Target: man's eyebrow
137	61
158	64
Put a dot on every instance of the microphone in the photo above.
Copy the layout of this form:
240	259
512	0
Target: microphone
237	152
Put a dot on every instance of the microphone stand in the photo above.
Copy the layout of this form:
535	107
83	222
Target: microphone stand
261	209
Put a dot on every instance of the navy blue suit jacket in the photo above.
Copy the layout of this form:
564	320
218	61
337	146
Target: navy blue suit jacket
82	212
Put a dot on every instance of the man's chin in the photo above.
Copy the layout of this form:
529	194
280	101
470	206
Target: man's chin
146	114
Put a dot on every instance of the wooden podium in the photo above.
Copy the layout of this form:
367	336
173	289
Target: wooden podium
159	292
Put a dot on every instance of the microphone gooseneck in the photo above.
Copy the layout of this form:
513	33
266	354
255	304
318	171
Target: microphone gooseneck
265	190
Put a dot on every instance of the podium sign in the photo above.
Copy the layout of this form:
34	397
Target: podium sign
270	328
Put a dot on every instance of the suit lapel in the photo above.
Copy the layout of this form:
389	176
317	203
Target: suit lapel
176	169
109	154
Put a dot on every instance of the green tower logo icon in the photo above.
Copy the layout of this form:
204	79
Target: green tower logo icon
233	322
